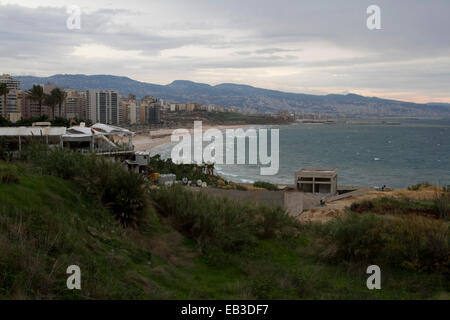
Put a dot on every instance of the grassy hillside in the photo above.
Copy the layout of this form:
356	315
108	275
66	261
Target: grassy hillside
188	246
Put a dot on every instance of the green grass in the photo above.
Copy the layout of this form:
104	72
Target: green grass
265	185
48	223
397	206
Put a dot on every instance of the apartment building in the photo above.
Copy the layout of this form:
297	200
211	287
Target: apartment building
153	114
75	105
103	106
11	99
30	108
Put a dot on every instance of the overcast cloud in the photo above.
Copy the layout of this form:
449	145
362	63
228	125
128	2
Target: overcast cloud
320	46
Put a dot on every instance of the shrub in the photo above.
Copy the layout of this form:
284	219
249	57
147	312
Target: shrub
417	187
192	172
219	222
241	187
442	203
122	191
9	175
412	242
265	185
394	206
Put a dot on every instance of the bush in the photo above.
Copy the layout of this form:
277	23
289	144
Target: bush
122	191
9	175
394	206
265	185
241	187
417	187
192	172
442	203
219	222
413	242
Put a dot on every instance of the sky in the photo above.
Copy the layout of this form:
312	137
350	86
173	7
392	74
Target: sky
317	47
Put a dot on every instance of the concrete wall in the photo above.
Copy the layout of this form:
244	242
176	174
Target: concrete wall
355	193
293	201
274	198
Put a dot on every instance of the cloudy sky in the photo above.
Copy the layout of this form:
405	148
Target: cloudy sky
320	46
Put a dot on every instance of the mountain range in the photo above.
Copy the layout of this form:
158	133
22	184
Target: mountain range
247	98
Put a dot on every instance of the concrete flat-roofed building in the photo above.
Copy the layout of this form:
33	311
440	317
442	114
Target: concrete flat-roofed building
316	180
103	106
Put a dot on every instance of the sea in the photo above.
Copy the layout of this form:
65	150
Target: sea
372	154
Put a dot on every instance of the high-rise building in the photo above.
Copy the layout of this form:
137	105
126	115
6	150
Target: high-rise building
48	87
30	108
103	106
11	99
153	114
75	104
132	112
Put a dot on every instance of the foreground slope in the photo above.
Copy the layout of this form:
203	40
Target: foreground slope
48	223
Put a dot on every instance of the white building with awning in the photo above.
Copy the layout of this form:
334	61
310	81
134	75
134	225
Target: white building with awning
99	138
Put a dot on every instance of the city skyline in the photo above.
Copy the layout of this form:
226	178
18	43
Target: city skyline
316	48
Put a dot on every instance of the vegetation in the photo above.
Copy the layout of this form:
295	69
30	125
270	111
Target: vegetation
417	187
120	190
236	117
265	185
50	101
435	208
59	96
192	172
55	122
442	204
66	208
221	223
241	187
411	242
48	224
9	175
224	118
36	93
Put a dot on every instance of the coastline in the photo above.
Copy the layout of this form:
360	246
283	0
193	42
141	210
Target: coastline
157	137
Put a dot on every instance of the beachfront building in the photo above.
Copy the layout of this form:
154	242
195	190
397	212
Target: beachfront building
103	106
99	138
316	180
15	138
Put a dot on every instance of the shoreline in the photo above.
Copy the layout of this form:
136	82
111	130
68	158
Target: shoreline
157	137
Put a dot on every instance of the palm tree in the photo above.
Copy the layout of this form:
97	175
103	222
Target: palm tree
60	97
4	92
36	94
51	101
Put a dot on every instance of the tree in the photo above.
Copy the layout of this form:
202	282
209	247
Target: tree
50	100
60	97
36	94
4	92
4	122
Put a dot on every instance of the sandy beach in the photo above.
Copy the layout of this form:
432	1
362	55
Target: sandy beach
154	138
